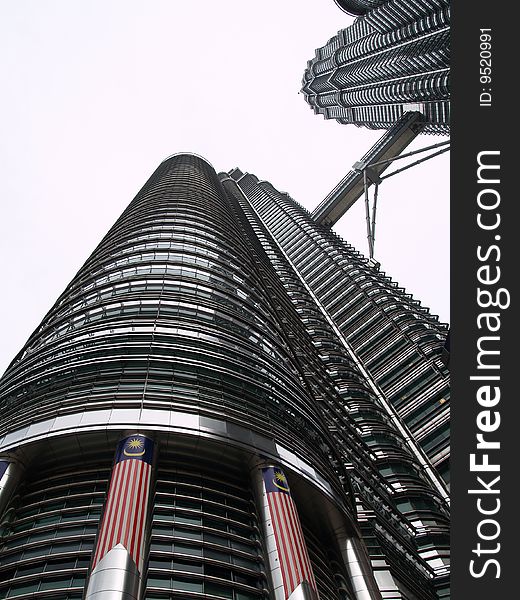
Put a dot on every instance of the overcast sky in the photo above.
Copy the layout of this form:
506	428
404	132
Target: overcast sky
96	93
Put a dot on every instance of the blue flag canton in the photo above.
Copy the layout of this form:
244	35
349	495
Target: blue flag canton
3	467
275	480
135	447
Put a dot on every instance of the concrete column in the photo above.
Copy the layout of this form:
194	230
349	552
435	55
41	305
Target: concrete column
289	567
117	563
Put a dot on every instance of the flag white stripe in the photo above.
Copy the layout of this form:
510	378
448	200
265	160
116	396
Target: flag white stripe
283	535
300	540
121	508
310	572
136	505
298	551
120	533
292	549
142	523
280	543
138	511
292	555
125	512
107	515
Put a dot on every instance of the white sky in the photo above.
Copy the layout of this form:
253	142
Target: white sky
96	93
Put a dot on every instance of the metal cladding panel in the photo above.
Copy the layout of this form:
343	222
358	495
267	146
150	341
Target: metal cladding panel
378	344
396	53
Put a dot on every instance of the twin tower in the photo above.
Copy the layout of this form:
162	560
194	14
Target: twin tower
227	402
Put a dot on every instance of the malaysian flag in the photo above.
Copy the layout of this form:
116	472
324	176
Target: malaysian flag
124	518
290	543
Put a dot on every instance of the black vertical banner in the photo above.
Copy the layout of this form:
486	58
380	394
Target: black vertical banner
484	56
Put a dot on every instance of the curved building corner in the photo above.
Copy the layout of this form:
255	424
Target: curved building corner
160	435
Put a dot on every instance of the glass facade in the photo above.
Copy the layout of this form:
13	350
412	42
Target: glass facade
396	339
48	533
392	59
358	318
205	321
205	537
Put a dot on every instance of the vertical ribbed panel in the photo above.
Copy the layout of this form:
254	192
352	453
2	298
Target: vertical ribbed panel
394	55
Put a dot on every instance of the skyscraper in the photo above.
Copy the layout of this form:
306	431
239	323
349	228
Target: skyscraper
394	58
193	419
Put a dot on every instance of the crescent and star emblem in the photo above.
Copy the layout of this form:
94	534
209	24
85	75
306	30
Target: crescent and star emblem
280	481
134	448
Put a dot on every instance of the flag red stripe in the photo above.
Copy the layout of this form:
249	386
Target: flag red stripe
107	515
294	559
280	541
291	558
122	494
125	511
295	542
136	511
300	543
310	572
131	499
142	521
122	512
118	502
286	554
